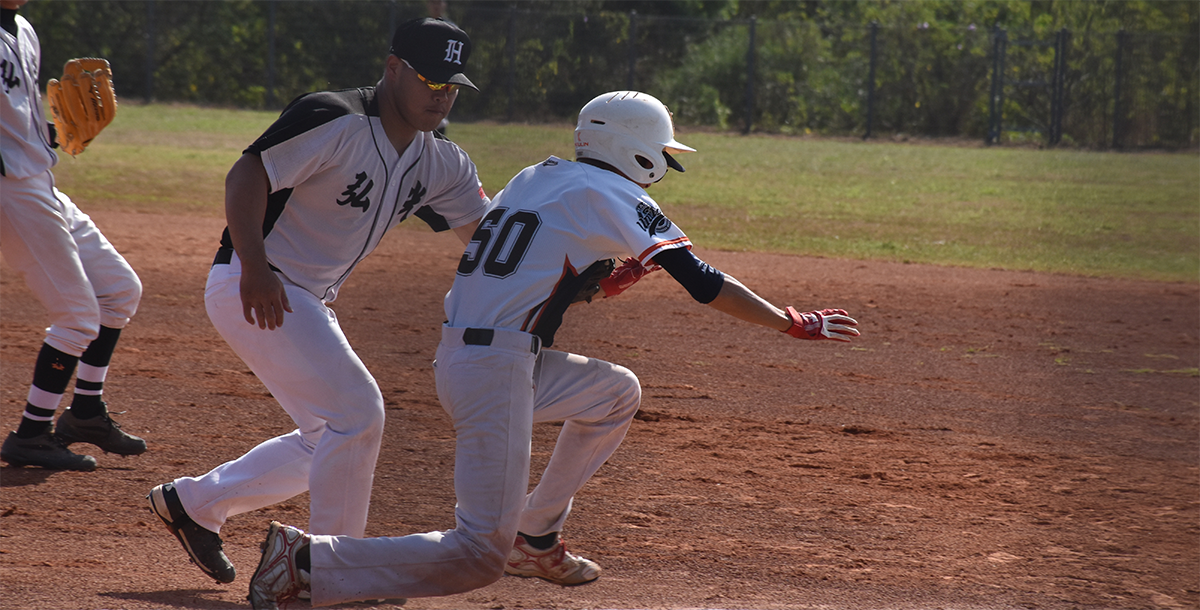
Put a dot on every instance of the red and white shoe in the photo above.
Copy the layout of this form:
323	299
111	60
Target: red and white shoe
554	565
278	580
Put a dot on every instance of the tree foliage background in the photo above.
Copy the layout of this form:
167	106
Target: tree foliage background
806	72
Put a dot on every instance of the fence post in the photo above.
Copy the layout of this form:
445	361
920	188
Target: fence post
1116	126
750	78
996	101
270	97
149	35
512	59
871	80
1056	99
633	19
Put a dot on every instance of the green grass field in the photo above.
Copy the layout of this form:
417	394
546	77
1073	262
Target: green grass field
1064	211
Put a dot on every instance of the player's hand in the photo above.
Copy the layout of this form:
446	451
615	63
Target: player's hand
264	300
824	324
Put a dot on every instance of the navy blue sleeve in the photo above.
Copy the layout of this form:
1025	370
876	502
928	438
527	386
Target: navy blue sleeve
701	280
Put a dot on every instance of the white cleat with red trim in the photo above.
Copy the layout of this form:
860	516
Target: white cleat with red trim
278	580
555	565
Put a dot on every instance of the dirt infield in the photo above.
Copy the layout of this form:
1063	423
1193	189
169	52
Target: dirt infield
994	440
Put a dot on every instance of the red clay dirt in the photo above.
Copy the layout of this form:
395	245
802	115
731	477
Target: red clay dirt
995	439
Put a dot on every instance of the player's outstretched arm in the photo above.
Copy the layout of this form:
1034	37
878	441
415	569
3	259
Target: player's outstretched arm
742	303
724	293
246	186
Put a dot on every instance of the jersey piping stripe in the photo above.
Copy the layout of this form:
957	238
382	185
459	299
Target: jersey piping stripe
663	245
379	209
32	92
535	314
529	318
552	309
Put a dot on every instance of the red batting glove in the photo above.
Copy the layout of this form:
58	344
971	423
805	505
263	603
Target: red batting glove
625	276
825	324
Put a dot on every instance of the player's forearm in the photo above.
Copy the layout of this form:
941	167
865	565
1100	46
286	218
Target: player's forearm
742	303
246	188
466	231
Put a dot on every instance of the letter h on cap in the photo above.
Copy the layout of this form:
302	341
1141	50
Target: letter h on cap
454	51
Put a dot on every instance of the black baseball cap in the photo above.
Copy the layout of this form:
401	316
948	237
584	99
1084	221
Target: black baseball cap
436	49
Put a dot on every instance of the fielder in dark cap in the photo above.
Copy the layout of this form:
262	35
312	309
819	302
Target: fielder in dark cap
305	203
437	50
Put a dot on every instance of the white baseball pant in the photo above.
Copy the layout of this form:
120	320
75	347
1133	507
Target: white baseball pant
68	264
494	394
310	368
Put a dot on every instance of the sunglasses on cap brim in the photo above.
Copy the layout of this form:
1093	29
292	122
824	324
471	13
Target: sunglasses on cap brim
447	87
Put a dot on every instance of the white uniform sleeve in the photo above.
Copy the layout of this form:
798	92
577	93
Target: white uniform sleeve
290	162
458	198
24	133
645	229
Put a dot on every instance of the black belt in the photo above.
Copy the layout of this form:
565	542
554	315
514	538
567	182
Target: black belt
225	255
484	336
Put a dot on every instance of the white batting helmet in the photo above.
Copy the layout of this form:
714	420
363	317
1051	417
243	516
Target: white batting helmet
630	131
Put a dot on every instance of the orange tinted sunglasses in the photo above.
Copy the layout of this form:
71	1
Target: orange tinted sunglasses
448	87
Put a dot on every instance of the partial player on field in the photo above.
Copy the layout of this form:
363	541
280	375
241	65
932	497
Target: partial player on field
535	253
88	289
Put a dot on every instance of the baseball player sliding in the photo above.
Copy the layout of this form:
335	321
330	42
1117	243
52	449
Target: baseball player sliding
89	290
529	259
305	203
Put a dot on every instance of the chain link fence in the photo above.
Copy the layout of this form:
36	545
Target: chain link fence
1119	89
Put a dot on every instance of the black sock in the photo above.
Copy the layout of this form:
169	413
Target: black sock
541	543
51	374
30	428
304	559
87	401
86	406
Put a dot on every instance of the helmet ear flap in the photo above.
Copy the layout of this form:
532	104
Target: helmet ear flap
672	163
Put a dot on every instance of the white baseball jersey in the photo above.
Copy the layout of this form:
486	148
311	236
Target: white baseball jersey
523	266
337	185
25	137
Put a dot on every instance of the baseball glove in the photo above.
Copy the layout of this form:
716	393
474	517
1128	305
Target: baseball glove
83	102
596	272
624	276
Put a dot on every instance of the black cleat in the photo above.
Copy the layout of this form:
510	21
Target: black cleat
203	547
46	450
100	431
